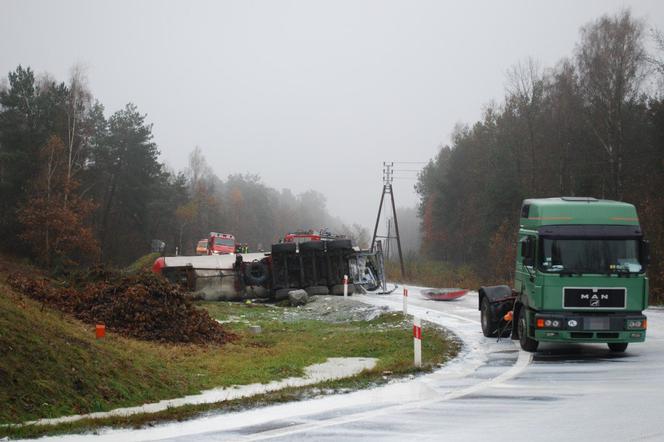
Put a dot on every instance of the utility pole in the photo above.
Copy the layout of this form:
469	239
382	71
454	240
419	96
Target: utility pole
389	233
387	189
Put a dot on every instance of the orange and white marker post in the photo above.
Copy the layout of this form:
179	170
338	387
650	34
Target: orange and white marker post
405	301
345	286
417	341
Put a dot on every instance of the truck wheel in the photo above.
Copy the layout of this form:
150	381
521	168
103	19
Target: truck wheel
338	289
312	245
317	290
256	273
489	324
286	247
617	347
527	343
339	244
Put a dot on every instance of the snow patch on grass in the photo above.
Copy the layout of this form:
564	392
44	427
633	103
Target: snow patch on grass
332	369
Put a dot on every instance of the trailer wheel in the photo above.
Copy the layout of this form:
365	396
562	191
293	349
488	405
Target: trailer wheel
312	245
317	290
489	323
339	244
527	343
338	289
617	347
286	247
281	294
256	273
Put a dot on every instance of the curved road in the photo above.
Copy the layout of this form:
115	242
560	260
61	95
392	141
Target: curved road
492	392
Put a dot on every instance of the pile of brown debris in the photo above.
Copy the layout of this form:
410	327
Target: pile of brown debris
143	306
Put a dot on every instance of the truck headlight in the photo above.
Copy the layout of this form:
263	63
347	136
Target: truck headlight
637	324
572	323
543	322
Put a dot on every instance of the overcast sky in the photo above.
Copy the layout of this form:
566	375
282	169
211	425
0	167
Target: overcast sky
309	95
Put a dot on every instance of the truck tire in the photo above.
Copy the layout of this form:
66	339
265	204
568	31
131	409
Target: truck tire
617	347
339	244
317	290
256	273
527	344
312	245
281	294
489	323
286	247
338	289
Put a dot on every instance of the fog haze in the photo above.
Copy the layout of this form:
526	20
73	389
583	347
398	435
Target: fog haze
309	95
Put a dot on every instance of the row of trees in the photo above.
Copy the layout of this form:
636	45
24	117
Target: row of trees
78	186
256	213
593	125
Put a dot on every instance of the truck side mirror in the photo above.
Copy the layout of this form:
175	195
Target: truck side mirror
644	253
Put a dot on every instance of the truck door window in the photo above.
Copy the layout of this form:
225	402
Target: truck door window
528	251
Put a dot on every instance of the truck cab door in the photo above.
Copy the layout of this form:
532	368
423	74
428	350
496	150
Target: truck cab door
525	267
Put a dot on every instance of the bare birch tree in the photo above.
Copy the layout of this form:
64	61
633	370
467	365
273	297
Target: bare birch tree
611	60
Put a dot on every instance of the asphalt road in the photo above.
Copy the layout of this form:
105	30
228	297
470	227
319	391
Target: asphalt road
492	392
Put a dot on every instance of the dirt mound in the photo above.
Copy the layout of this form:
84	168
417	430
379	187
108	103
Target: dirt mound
142	306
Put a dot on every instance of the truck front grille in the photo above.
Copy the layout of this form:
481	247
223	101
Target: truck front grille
608	335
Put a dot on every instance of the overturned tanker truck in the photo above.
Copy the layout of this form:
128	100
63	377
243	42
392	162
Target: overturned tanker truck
317	266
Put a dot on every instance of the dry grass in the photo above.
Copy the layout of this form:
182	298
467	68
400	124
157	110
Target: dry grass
430	273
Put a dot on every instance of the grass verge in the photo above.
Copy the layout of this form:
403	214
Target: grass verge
51	365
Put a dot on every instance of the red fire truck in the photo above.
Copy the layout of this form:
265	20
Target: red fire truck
221	244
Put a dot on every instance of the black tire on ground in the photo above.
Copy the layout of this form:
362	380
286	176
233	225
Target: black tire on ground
617	347
281	294
338	289
489	323
312	245
339	244
317	290
286	247
527	343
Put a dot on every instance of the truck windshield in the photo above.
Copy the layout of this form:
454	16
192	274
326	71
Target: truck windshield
590	255
224	242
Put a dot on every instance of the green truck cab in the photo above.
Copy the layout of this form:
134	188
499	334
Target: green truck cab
580	276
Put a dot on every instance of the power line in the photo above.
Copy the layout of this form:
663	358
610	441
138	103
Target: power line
388	177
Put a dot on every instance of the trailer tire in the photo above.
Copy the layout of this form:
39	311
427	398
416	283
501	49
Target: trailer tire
281	294
527	344
489	323
339	244
286	247
617	347
312	245
338	289
256	273
317	290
